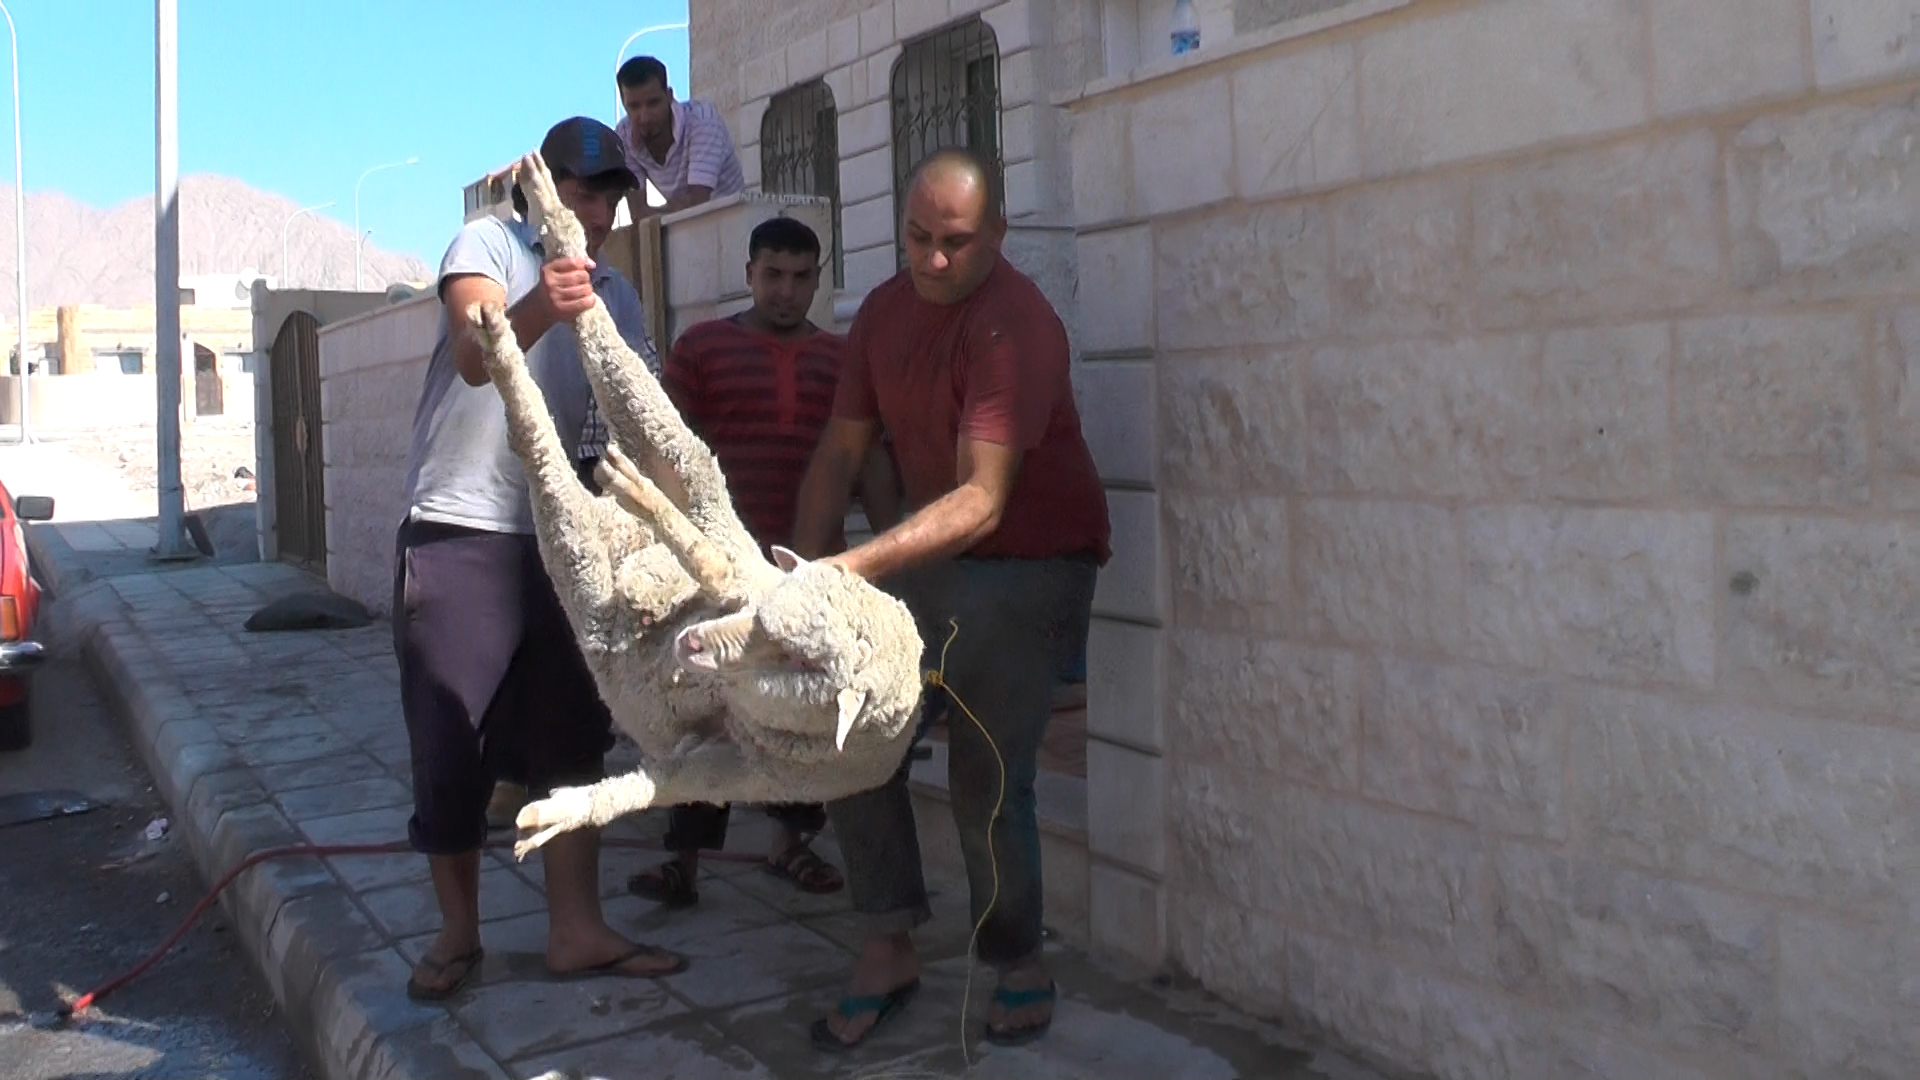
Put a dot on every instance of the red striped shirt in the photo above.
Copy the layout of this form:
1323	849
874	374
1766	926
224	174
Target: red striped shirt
760	404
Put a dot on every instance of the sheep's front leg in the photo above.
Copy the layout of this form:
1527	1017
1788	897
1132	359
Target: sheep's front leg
716	772
573	530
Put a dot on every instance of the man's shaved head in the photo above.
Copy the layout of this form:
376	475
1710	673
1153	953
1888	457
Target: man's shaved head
957	170
952	224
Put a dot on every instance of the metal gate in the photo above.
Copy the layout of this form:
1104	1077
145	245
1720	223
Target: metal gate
299	494
800	152
946	93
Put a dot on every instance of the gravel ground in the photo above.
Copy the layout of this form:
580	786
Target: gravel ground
84	897
211	451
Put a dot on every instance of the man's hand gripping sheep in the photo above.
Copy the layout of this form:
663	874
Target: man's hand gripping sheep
739	679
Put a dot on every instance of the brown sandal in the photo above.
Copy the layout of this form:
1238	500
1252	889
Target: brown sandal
668	885
806	871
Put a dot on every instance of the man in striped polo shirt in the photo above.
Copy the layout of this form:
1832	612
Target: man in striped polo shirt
682	147
758	388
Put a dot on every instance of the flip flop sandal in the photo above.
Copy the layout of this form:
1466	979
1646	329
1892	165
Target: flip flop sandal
668	885
468	963
882	1006
805	871
613	967
1014	999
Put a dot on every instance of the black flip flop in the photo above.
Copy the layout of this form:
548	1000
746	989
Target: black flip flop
1014	999
468	962
882	1006
611	969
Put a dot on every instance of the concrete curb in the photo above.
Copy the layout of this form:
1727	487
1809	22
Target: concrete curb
52	559
342	991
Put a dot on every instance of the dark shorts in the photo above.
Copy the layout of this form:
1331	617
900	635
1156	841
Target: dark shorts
491	678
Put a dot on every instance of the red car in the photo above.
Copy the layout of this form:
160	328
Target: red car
19	606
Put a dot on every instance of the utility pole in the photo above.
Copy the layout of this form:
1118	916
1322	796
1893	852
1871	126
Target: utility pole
20	238
171	539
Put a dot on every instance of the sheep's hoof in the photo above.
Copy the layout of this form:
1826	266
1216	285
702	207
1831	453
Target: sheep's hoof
563	811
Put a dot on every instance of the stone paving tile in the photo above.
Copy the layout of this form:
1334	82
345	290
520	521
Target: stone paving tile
682	1048
405	910
318	772
523	1017
367	793
364	873
362	827
288	749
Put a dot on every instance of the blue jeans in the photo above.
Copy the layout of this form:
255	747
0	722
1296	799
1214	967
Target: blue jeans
1018	623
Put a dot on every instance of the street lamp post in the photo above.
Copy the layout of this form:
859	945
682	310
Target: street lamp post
619	106
170	543
19	229
286	276
356	212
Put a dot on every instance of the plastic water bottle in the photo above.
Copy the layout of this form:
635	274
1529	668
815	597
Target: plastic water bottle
1186	28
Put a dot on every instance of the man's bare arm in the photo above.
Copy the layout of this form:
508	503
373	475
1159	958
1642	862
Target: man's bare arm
828	485
951	524
693	196
565	290
880	494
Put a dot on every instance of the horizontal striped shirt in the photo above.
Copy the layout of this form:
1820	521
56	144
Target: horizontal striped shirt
760	403
701	155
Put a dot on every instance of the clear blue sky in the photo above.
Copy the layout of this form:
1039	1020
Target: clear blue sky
300	98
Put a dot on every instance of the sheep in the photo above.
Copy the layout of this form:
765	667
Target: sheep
739	680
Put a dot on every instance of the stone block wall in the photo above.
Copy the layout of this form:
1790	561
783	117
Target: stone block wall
372	367
1511	649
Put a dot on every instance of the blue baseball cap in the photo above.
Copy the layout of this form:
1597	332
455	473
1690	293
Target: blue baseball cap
586	149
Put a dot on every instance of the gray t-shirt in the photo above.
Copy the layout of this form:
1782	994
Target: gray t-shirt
460	470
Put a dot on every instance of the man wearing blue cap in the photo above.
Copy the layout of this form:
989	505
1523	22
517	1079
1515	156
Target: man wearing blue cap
491	677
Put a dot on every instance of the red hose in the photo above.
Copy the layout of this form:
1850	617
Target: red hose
400	847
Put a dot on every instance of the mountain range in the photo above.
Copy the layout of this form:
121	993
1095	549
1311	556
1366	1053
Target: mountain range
81	254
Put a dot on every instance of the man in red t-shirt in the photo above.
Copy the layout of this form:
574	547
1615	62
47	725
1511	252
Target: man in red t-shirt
758	388
965	364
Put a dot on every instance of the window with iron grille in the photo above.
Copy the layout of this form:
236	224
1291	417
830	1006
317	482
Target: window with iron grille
800	152
946	93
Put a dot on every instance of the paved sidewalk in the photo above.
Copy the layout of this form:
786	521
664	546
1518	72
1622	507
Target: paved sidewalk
260	740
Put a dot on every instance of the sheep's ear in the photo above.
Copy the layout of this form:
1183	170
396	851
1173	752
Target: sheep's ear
786	560
850	701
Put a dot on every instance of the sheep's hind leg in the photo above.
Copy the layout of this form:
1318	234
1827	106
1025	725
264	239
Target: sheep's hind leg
572	528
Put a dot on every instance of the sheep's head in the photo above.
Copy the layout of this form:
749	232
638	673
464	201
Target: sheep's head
799	636
820	634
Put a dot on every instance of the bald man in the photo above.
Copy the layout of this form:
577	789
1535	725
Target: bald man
965	364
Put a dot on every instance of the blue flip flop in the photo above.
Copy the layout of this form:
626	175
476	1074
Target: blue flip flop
882	1006
1014	999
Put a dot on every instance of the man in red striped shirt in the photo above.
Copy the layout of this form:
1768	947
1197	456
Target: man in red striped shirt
759	388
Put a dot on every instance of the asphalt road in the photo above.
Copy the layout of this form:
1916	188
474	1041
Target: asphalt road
67	924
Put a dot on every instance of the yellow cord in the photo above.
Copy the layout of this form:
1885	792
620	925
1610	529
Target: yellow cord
939	679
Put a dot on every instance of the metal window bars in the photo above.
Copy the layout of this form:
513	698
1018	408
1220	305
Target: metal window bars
800	152
945	93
